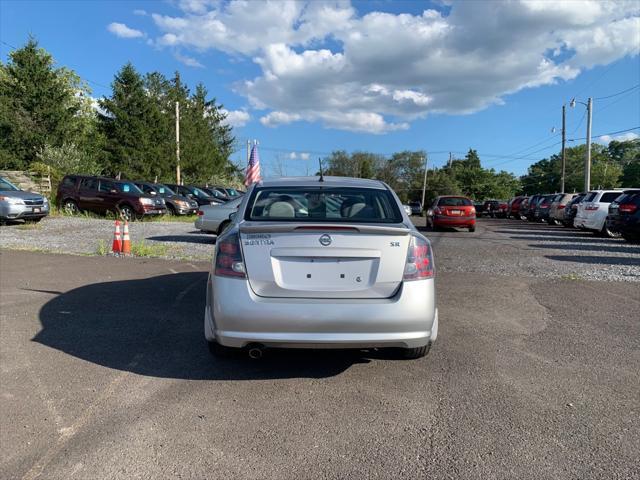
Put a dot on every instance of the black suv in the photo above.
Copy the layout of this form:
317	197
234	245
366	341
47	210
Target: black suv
102	195
176	204
624	215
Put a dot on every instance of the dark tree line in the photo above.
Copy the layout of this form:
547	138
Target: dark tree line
48	119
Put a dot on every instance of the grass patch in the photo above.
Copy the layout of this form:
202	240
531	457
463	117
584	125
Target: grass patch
29	226
171	218
103	248
143	249
570	276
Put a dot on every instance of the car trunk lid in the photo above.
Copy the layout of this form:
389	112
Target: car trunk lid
297	260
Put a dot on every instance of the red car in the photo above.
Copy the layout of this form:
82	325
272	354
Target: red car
513	207
452	211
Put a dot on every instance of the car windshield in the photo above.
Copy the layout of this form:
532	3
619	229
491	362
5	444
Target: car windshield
454	202
128	187
232	192
199	193
322	204
164	190
6	185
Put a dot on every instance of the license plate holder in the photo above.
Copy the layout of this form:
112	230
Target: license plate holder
36	210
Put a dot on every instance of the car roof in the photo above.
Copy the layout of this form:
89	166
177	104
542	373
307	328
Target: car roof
328	181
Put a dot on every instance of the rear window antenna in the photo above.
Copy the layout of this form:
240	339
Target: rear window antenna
321	174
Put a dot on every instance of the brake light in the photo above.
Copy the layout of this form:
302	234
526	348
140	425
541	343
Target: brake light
229	262
200	213
419	263
437	211
561	207
591	207
627	208
472	211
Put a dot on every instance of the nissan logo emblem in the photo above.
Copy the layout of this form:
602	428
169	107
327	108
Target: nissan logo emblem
325	240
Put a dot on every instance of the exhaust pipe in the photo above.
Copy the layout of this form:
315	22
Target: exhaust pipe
255	352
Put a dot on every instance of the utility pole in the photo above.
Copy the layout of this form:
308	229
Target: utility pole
178	143
587	160
424	182
450	159
564	159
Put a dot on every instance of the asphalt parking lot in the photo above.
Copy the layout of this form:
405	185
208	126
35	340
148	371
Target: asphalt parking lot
105	374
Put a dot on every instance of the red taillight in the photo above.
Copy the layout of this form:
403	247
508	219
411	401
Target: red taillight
472	211
561	207
437	211
627	208
200	213
419	263
591	207
229	262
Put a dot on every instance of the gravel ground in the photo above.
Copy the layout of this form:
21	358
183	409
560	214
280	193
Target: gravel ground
502	247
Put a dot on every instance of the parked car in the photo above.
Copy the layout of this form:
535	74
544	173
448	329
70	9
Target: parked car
501	211
513	207
452	211
571	209
331	264
531	207
524	208
194	193
558	206
215	193
624	215
176	204
479	208
416	207
16	204
490	207
592	212
231	192
102	195
541	212
215	218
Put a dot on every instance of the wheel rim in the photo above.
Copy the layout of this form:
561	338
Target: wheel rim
126	213
70	207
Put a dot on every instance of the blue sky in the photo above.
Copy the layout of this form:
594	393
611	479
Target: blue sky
306	79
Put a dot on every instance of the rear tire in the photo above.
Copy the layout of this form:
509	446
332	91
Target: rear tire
220	351
472	229
418	352
605	232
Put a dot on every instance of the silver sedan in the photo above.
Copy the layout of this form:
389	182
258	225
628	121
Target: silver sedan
321	263
215	218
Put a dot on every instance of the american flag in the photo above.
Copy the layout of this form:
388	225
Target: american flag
253	169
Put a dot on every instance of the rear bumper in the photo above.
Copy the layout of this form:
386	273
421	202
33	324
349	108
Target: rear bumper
624	226
236	317
445	221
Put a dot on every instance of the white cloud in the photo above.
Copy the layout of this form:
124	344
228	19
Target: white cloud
323	62
188	61
236	118
122	31
605	139
304	156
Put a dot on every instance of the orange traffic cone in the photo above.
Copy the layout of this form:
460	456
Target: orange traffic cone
126	242
116	248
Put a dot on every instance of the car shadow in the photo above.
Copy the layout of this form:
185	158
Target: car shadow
201	239
616	248
154	327
593	259
570	239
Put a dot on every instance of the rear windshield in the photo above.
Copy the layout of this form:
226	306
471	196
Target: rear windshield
321	204
631	197
454	202
609	197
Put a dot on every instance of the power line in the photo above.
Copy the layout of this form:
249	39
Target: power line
619	93
603	134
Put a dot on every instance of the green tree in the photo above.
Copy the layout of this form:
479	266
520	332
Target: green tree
40	105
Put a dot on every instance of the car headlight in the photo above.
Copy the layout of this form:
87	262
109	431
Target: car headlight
11	200
181	203
146	201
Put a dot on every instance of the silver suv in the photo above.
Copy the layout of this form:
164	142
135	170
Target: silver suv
16	204
321	263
